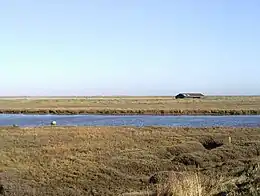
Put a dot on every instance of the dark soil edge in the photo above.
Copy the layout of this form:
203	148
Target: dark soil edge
129	112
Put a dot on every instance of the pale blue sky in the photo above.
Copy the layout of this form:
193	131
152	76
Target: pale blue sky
130	47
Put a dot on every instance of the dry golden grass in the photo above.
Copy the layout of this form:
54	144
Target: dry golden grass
190	183
121	160
133	105
187	184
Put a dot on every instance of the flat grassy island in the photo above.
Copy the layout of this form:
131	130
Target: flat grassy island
129	161
133	105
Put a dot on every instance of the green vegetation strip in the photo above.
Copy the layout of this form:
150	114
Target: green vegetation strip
131	112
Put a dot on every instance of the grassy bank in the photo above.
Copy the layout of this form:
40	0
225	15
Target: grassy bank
129	112
134	105
129	161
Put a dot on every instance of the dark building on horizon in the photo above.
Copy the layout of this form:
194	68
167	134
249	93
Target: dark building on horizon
189	95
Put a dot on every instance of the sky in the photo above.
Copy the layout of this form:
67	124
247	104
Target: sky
130	47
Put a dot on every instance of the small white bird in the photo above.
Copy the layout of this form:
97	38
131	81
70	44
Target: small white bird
53	123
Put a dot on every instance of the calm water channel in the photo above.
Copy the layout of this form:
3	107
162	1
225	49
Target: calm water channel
131	120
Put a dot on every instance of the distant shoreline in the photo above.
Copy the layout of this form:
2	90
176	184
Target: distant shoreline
115	97
209	105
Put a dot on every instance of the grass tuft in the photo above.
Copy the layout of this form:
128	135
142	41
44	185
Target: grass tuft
187	184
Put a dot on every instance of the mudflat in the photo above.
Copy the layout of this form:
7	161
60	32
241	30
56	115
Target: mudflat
243	105
129	161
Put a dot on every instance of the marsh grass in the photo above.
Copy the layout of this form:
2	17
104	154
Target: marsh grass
187	184
117	160
195	183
